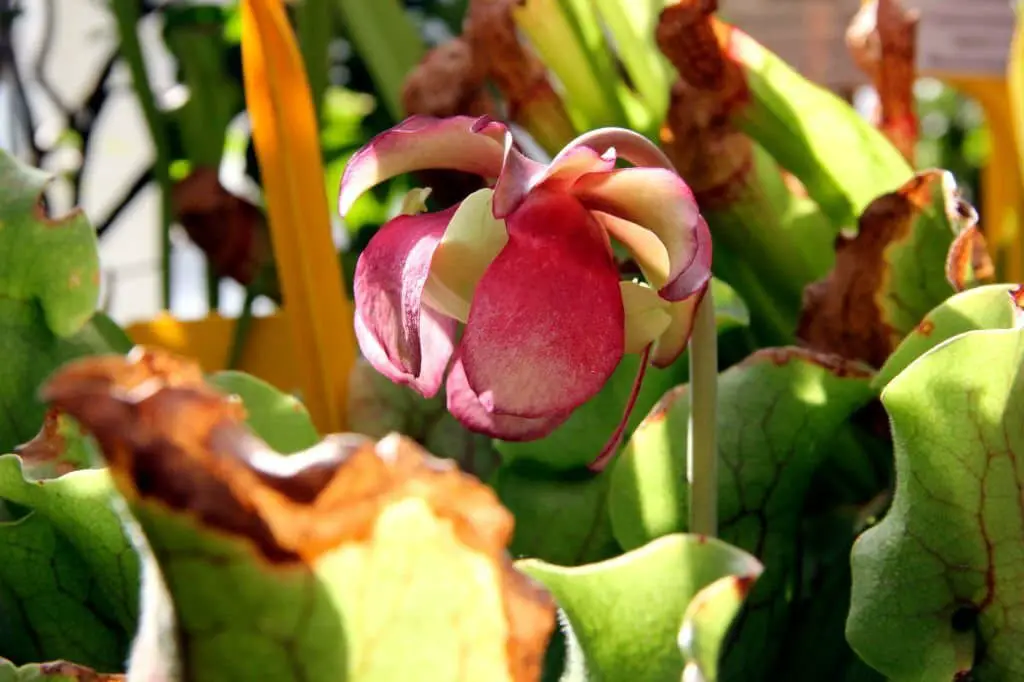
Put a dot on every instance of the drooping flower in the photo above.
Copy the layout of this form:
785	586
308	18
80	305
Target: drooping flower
526	266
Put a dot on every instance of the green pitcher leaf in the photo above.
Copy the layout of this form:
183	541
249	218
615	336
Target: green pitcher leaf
278	418
777	413
891	274
57	671
49	286
59	448
799	123
69	575
351	560
706	624
577	442
988	307
936	583
770	239
53	263
625	613
560	518
33	352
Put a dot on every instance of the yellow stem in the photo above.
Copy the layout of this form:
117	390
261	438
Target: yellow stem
284	131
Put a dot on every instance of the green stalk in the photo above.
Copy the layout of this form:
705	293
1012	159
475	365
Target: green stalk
567	35
701	440
126	13
313	29
388	43
632	25
213	97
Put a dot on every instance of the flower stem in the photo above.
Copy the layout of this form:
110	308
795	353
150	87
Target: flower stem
126	13
701	447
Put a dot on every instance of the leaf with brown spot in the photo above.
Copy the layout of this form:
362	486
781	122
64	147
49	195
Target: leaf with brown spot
60	447
770	242
797	122
49	287
320	565
890	274
968	263
57	671
883	41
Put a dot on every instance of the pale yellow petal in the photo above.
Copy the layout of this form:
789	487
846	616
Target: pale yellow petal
647	315
473	239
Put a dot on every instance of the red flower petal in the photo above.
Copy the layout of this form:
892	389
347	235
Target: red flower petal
546	325
520	175
404	341
659	200
464	143
465	406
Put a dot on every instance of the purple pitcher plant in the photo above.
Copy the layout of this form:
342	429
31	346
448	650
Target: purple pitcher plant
516	293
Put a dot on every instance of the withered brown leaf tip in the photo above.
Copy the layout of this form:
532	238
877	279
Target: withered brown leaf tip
174	442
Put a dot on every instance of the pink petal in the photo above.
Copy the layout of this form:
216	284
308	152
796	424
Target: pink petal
464	143
465	406
659	200
546	325
520	175
404	341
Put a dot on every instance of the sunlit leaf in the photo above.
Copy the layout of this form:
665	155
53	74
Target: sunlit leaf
625	613
936	583
69	578
890	274
777	413
319	565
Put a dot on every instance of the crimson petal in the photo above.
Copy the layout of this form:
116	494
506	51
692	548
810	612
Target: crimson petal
404	341
546	325
465	405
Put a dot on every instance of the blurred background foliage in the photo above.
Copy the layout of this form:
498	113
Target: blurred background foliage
357	54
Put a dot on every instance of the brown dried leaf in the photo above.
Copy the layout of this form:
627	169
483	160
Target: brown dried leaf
519	74
686	35
969	263
46	450
447	82
229	230
705	147
178	449
883	41
888	276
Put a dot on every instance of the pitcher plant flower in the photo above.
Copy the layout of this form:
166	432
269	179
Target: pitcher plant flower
515	293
